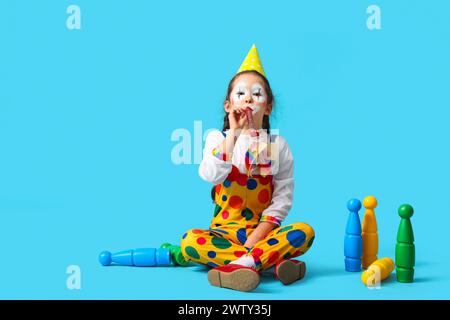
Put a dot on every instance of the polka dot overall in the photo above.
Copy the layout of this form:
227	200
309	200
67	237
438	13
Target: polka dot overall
240	201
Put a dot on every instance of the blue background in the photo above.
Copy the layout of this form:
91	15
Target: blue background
86	118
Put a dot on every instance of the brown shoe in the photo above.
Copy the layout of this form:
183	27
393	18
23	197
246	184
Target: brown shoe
234	277
288	271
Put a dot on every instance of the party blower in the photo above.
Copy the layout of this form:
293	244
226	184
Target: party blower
251	123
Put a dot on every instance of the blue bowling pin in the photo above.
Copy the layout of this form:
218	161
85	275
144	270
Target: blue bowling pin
145	257
353	238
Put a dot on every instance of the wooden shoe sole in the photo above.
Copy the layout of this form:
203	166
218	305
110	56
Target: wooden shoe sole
290	271
239	279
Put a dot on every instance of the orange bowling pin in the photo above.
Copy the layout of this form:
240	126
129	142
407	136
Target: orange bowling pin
369	232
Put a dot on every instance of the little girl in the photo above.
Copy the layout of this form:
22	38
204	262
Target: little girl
252	173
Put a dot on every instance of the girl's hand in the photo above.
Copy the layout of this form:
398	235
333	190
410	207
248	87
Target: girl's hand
252	239
237	118
261	231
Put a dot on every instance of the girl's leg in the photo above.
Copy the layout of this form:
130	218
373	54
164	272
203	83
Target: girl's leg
237	234
282	243
209	247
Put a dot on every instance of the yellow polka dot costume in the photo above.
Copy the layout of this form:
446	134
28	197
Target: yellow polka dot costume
240	200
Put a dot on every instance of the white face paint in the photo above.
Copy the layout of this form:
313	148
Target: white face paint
258	93
241	91
255	109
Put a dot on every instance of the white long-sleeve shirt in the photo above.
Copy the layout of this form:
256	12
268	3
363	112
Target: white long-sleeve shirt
215	170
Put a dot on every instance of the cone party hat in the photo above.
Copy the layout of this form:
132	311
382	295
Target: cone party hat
252	62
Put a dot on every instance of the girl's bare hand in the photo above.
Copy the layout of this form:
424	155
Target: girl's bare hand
260	232
237	118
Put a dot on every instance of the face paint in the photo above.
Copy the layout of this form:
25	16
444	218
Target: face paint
240	92
258	93
255	109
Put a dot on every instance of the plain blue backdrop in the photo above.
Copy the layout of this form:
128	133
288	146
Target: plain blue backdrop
86	118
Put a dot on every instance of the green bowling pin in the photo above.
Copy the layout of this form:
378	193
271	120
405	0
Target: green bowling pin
177	256
405	250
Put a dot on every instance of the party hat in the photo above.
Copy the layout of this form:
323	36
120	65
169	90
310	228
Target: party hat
252	62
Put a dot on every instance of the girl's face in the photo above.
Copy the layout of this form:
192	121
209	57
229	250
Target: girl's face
248	91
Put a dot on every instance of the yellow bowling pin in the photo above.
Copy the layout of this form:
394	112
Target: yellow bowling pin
369	233
377	271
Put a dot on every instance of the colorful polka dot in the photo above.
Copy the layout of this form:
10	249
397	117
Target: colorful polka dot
217	210
256	252
224	198
220	243
225	214
263	196
218	188
285	229
247	213
235	202
201	241
212	264
296	238
192	252
212	254
252	184
197	231
226	262
272	242
227	183
184	235
242	235
239	253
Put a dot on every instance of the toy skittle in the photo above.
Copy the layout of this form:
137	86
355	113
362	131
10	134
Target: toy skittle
176	254
353	239
405	250
145	257
369	232
366	240
377	271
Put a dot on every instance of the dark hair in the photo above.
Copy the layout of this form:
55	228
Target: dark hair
265	122
270	99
